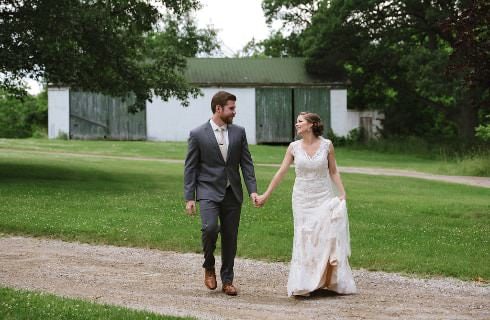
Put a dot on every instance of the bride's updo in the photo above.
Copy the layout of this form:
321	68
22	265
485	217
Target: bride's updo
314	119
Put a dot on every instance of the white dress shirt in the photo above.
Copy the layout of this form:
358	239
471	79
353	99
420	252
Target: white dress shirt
216	128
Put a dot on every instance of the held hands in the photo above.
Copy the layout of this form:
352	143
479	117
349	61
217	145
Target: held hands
259	201
253	197
190	207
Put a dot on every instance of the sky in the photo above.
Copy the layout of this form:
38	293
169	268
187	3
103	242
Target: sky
236	21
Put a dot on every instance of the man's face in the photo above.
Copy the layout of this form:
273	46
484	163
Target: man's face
227	112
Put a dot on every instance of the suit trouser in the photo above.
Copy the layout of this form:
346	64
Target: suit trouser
228	213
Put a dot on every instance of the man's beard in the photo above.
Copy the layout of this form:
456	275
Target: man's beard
227	120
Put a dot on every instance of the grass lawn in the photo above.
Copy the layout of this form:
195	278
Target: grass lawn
346	156
397	224
21	304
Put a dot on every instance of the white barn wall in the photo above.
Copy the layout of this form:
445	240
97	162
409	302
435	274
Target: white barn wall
169	121
344	120
58	112
338	111
354	119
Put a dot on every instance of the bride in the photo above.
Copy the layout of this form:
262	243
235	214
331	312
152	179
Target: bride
321	244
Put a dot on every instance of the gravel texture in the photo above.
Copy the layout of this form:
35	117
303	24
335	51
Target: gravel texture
172	283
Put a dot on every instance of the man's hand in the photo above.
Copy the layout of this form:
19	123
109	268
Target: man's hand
260	201
254	196
190	207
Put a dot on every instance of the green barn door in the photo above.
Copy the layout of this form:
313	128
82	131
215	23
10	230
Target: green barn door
315	100
273	115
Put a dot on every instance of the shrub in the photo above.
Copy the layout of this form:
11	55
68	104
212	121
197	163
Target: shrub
483	131
23	117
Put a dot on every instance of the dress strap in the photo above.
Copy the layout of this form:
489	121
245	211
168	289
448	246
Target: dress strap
326	143
294	147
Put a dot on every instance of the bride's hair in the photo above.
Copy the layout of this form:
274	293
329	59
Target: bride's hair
315	120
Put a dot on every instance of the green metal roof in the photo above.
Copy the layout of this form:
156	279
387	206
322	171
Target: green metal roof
248	72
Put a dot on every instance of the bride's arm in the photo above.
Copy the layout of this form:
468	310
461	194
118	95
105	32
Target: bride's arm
334	172
286	162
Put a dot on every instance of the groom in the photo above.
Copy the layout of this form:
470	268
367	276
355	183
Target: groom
216	151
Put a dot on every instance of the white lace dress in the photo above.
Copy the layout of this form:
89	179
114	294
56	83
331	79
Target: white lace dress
321	228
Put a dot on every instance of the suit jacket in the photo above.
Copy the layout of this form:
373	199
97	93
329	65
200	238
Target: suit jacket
206	173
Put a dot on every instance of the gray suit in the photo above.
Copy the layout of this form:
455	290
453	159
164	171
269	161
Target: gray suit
205	179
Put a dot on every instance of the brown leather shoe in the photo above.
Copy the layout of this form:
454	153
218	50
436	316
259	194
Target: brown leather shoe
210	279
229	289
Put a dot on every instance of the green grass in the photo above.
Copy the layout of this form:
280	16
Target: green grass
21	304
397	224
477	165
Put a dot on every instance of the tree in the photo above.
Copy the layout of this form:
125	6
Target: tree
295	16
425	63
23	117
98	45
277	45
418	58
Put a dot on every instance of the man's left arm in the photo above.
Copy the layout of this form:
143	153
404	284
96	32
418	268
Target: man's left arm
247	166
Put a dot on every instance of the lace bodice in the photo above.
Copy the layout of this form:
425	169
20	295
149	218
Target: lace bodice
312	183
315	167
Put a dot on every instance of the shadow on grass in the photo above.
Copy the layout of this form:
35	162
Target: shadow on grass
31	172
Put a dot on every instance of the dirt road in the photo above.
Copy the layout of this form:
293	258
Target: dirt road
171	283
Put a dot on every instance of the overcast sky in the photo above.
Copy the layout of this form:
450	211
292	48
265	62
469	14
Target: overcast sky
237	22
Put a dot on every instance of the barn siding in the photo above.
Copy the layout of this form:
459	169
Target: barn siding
97	116
169	121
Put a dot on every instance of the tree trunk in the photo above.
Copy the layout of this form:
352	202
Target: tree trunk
468	119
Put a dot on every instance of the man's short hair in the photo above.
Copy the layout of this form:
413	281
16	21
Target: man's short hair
220	98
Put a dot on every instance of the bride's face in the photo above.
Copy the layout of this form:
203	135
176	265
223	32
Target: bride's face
302	126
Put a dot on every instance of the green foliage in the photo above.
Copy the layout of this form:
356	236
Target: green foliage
483	131
100	46
180	34
277	45
425	64
295	14
131	203
22	117
402	57
22	304
353	137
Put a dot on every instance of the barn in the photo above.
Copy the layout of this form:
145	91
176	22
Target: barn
270	93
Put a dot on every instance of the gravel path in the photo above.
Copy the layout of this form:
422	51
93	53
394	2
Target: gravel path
467	180
171	283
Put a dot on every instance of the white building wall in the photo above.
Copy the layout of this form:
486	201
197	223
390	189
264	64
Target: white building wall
169	121
58	112
354	119
344	120
338	111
